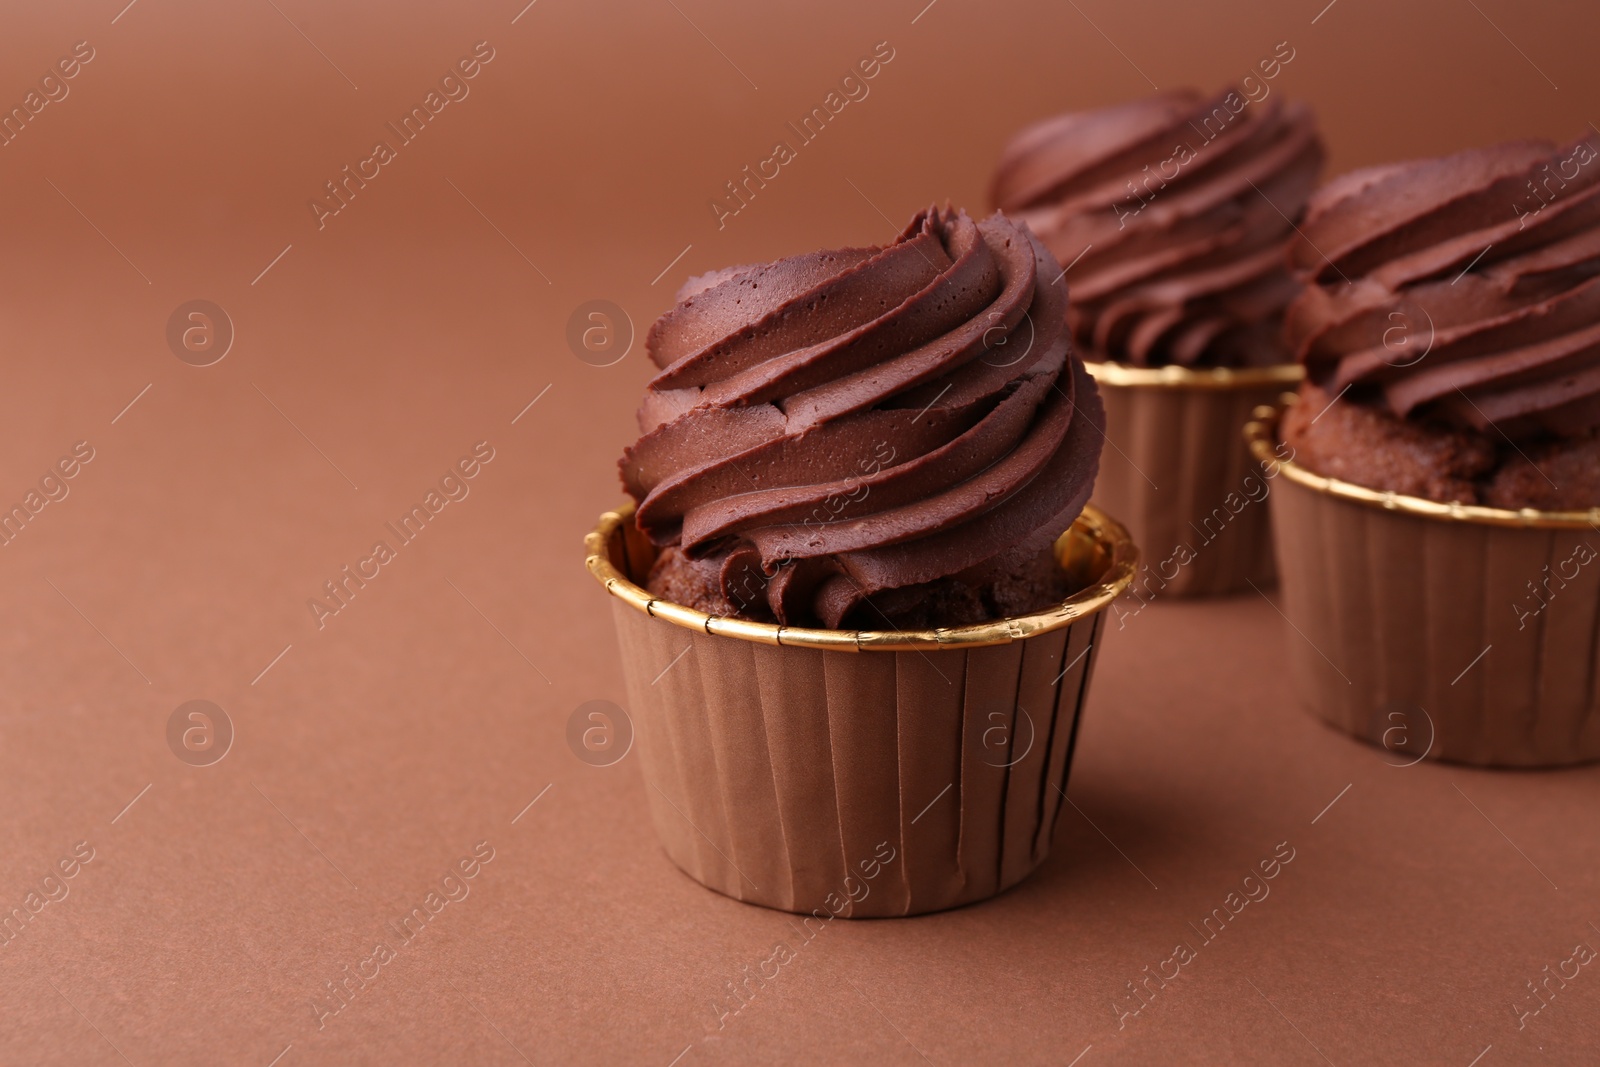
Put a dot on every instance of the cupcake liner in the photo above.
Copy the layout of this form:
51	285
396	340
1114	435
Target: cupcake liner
1417	627
858	773
1177	474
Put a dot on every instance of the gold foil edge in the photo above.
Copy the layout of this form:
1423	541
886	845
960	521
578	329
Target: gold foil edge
1170	377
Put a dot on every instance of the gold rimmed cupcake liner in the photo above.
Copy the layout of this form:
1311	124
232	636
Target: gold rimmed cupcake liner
1447	631
922	776
1175	471
1174	377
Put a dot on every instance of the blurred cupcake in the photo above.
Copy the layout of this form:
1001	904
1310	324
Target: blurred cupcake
1437	531
858	594
1172	215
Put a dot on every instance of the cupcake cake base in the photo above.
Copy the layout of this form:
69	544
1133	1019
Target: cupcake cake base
1026	587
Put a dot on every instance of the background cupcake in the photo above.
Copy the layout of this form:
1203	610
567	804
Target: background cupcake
1172	215
1437	537
850	495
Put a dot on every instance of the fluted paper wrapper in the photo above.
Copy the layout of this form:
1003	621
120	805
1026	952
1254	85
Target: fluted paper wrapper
1442	635
1176	473
853	783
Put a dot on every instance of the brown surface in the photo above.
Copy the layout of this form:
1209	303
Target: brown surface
407	730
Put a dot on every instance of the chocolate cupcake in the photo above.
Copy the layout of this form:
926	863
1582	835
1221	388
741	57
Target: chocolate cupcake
859	522
1173	215
1438	527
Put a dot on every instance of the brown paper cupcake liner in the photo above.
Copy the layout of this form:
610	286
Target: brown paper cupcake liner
1444	631
1177	474
858	773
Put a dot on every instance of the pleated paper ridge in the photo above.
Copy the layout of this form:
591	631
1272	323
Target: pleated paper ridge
1399	612
1173	456
782	776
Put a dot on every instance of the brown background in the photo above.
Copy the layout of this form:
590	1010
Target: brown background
378	750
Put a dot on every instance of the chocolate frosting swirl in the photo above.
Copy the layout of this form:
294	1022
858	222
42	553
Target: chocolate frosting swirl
1172	214
1464	289
840	424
